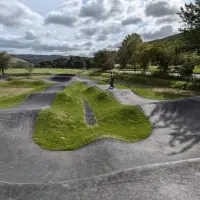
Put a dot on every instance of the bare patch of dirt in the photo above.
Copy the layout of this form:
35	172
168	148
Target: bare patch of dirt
10	91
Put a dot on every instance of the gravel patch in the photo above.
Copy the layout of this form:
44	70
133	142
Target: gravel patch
89	115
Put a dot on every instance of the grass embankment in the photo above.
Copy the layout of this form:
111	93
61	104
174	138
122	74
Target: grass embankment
150	87
40	71
16	91
157	93
63	127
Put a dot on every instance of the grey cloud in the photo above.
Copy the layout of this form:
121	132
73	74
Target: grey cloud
94	9
102	37
30	36
37	45
12	42
111	28
101	33
89	31
60	18
158	34
116	8
159	8
88	44
54	47
168	19
131	20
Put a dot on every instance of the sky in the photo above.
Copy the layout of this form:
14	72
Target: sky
81	27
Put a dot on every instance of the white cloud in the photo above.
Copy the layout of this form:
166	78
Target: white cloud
73	27
14	13
158	33
57	17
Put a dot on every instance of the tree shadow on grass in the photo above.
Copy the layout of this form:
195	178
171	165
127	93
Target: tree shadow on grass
182	118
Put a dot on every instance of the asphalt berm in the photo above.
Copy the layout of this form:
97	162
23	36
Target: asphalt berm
166	166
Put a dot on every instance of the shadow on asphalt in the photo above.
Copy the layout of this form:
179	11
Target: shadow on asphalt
183	117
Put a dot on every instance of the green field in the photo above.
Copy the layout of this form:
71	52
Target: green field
63	127
45	71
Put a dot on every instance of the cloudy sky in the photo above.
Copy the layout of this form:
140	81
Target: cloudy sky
80	27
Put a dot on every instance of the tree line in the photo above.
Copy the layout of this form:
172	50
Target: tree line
70	62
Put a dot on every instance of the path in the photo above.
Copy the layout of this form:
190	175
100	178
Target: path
108	169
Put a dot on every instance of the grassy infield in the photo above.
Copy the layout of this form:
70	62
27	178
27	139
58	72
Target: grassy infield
66	128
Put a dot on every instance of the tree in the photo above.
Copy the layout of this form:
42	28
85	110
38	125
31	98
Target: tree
4	61
127	48
190	15
163	58
30	69
104	59
143	56
186	63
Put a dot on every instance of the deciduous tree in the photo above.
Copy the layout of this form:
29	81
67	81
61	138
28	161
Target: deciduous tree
127	49
104	59
190	15
4	61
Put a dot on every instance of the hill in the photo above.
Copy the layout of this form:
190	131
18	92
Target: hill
19	63
171	41
36	59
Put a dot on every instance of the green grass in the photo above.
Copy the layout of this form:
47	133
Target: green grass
146	90
197	70
15	99
151	94
63	127
40	71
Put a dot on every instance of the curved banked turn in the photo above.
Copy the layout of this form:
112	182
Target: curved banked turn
29	172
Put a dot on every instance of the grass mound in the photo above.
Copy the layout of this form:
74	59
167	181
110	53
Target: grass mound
62	127
15	99
23	84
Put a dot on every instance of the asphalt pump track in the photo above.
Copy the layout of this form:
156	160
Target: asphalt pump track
164	166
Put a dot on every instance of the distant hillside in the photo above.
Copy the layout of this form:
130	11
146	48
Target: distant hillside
171	41
18	63
36	59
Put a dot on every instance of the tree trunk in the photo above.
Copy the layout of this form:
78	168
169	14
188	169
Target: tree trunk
2	69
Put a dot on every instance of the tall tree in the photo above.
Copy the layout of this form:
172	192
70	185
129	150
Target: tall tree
127	48
143	56
162	57
190	15
4	61
104	59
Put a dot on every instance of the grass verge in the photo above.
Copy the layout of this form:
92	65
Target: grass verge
151	94
63	127
41	71
149	91
15	99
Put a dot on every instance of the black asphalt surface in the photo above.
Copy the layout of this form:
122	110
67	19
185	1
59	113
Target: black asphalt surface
126	96
166	166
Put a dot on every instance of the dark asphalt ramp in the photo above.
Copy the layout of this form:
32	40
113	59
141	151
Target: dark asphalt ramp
24	166
168	181
60	78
